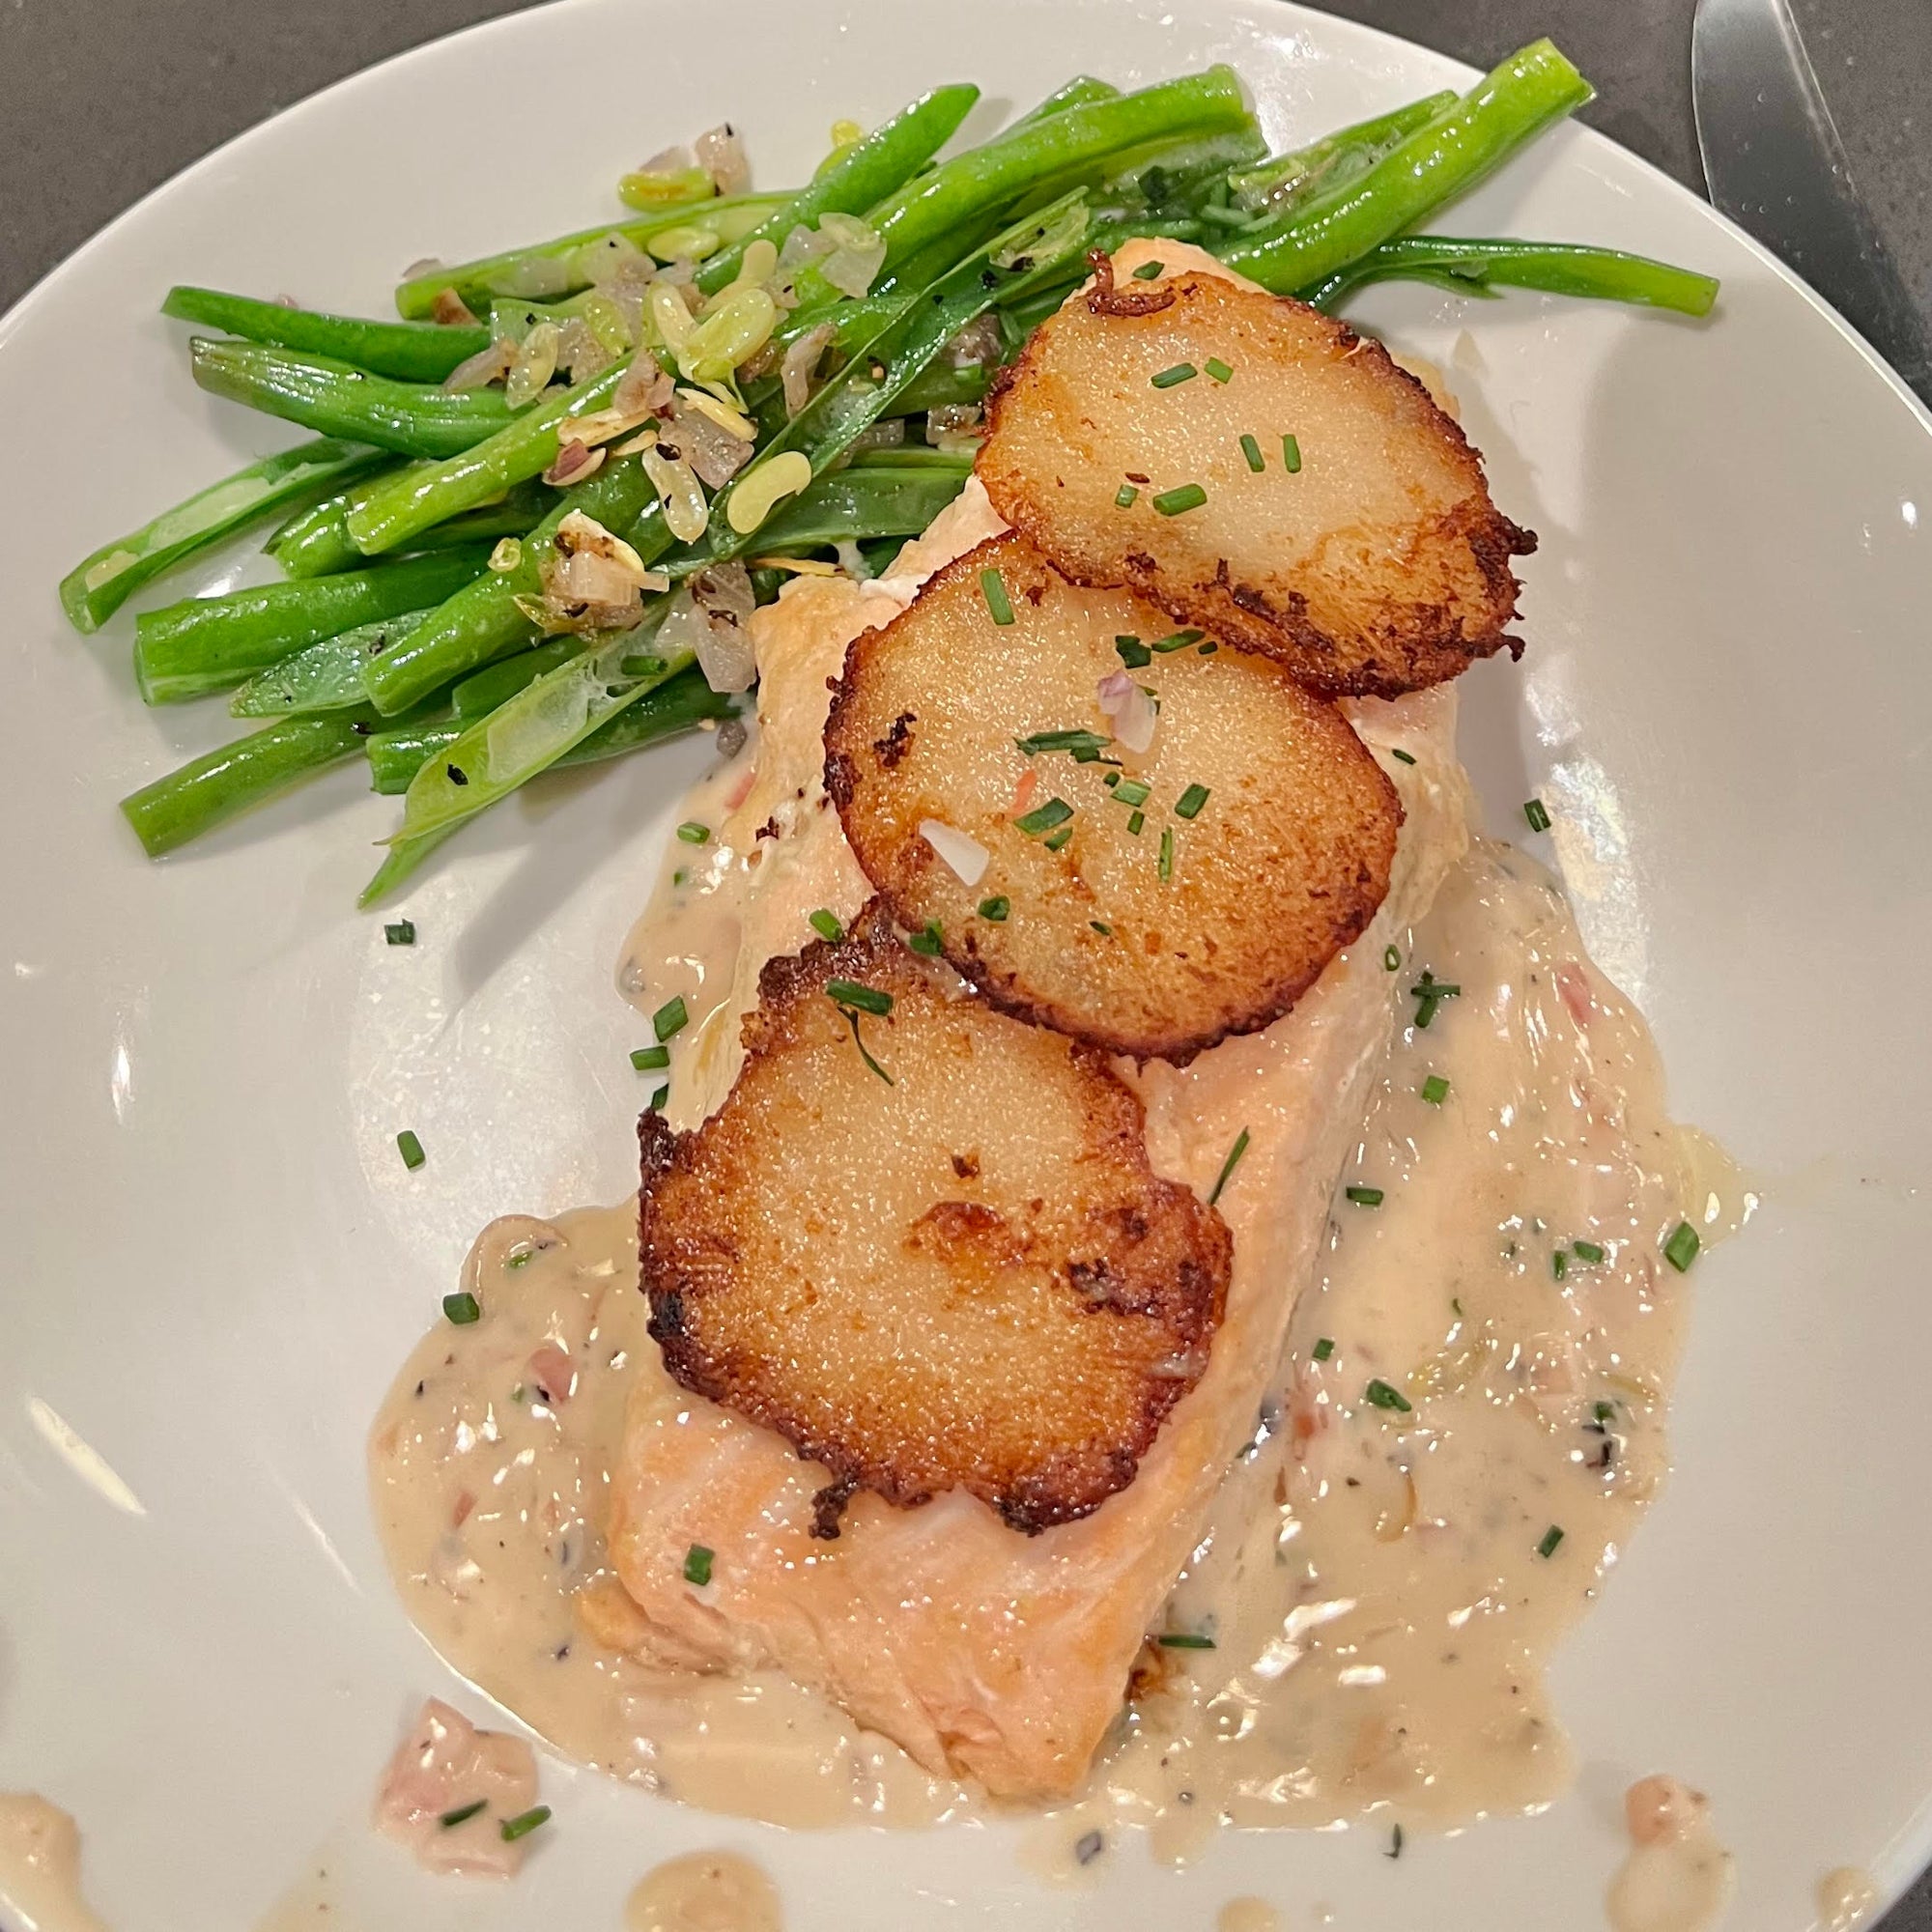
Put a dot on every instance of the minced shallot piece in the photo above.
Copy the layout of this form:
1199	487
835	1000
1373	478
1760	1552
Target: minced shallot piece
643	389
713	452
593	580
488	366
801	364
722	156
444	1766
451	310
574	464
966	856
1132	712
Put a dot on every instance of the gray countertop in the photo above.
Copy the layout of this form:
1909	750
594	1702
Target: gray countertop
102	100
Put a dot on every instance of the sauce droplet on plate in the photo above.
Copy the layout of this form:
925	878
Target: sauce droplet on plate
703	1892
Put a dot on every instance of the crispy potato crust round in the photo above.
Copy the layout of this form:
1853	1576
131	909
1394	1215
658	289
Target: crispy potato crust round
1378	566
968	1278
1164	922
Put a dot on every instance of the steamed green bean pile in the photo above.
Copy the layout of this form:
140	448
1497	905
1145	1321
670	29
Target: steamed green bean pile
537	509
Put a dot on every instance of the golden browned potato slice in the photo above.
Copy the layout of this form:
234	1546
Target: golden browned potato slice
1149	902
927	1249
1365	553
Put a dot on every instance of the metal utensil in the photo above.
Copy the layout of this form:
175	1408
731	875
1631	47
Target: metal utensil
1775	164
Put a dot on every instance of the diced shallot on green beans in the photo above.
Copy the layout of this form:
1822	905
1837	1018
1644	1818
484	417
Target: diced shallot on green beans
409	351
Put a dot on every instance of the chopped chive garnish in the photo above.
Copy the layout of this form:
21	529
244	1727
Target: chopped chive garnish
1125	496
1183	1640
1391	959
1178	641
462	1308
1539	819
1395	751
1166	378
1104	930
1559	1265
1133	653
1112	779
1075	742
1456	1303
1229	1165
1208	649
1174	502
1395	1844
1586	1251
859	1041
659	1098
402	933
525	1823
1219	369
1054	840
1045	818
410	1149
1291	455
1148	271
1132	791
1166	866
1605	1411
669	1018
854	993
826	923
692	833
926	941
648	1057
1430	994
1188	805
1381	1396
1323	1349
462	1814
1252	450
993	587
1436	1090
996	909
698	1564
1552	1537
521	1258
1364	1197
1681	1250
1135	820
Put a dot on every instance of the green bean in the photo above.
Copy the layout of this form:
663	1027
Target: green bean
1294	179
323	676
876	499
410	352
210	643
1558	267
402	506
410	418
317	541
1432	165
97	587
209	790
678	705
862	175
548	269
945	388
483	691
482	622
1082	91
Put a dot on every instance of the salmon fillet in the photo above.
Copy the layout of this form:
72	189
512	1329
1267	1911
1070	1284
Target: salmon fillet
983	1653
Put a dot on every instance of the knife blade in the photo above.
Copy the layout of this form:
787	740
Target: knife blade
1775	164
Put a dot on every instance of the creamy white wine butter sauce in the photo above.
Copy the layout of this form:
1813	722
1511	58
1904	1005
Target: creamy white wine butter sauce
40	1868
705	1891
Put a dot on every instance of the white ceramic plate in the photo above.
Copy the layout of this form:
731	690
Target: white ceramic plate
213	1260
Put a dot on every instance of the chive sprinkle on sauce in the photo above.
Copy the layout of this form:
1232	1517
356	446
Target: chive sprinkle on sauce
462	1308
1181	499
1406	757
1391	959
1291	455
1165	867
1229	1165
462	1814
1179	372
698	1564
524	1824
669	1018
1586	1251
1436	1090
1219	369
1132	791
412	1150
1178	641
1133	653
1183	1640
826	923
1559	1265
1148	271
1252	450
993	587
659	1098
1681	1250
995	910
1538	818
851	1015
1380	1395
1073	741
646	1058
402	933
1135	820
1045	818
1364	1197
1125	496
1054	840
692	833
1552	1538
1188	805
926	942
855	993
1323	1349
